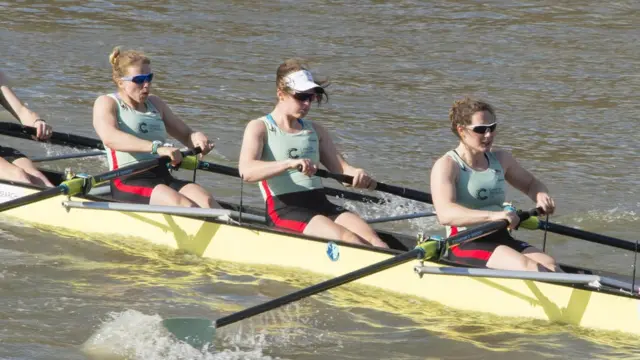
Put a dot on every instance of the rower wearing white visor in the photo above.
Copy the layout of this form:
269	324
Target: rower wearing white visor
281	152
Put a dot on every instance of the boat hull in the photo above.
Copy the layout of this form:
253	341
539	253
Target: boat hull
256	244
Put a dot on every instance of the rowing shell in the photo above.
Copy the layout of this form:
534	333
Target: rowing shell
585	299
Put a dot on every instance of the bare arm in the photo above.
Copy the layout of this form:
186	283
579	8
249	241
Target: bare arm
329	155
11	102
180	130
177	128
105	122
443	191
334	162
523	180
252	169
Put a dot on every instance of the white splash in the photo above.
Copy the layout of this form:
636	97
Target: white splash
134	335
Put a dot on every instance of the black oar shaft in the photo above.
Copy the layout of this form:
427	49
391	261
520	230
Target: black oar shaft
323	286
66	156
58	138
83	185
391	189
486	229
232	171
27	199
588	236
423	251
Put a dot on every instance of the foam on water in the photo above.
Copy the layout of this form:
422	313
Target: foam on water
134	335
394	206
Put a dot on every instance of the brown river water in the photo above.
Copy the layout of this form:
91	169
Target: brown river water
561	74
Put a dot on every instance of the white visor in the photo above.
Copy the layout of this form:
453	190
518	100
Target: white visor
300	81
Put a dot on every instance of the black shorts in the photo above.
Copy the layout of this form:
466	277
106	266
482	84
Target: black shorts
294	211
137	188
476	253
10	154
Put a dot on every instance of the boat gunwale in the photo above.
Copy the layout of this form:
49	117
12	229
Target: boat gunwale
393	252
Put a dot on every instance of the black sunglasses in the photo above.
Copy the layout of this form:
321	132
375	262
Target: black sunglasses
482	129
308	96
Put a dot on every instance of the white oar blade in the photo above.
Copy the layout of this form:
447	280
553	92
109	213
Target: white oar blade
196	332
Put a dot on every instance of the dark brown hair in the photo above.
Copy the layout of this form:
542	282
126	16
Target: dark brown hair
462	111
296	64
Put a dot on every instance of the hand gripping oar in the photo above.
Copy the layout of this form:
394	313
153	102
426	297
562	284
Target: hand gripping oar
390	189
84	184
198	332
232	171
58	138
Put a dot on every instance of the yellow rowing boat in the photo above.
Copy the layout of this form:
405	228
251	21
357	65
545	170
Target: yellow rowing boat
580	297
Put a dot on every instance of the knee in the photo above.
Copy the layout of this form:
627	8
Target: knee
170	197
181	200
18	174
350	237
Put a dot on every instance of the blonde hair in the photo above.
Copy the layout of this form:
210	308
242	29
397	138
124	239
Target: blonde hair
122	60
462	111
296	64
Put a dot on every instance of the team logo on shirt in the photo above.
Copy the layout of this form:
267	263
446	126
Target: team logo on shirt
479	195
292	153
143	128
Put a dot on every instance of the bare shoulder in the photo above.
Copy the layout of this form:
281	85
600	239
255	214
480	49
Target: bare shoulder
105	102
156	101
445	164
256	126
504	156
319	129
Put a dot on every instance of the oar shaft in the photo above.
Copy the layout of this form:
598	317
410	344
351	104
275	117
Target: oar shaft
425	250
391	189
418	253
41	195
66	156
58	138
83	185
588	236
232	171
486	229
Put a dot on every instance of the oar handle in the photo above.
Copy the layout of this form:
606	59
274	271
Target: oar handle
390	189
58	138
487	228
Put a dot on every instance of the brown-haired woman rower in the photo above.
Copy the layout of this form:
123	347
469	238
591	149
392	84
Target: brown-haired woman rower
468	188
275	146
133	125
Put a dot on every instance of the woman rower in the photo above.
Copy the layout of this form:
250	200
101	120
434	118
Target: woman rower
468	188
282	149
133	125
14	165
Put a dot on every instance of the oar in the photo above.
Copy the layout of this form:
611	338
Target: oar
84	184
390	189
198	332
58	138
67	156
535	223
232	171
400	217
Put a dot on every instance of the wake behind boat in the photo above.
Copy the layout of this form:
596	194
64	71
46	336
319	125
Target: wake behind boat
580	297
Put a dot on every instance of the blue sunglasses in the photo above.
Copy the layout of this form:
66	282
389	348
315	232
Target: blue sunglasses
139	79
